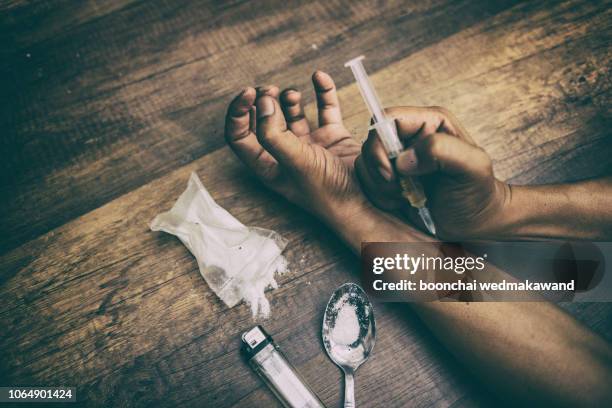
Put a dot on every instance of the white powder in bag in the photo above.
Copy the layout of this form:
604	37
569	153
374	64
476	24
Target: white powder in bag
237	262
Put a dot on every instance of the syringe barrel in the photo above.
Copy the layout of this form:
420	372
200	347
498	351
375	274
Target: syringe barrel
384	127
387	132
412	190
365	87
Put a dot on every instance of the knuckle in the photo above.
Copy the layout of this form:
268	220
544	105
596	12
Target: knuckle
268	136
483	159
435	146
326	89
394	111
441	110
233	137
296	117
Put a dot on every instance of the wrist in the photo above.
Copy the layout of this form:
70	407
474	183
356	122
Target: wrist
532	212
351	220
504	222
508	218
361	221
495	219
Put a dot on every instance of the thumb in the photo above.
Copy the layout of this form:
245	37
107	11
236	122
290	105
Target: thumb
272	132
444	153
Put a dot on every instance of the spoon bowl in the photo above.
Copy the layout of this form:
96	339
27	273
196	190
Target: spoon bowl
349	333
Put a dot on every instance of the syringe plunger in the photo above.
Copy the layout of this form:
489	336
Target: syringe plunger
387	132
384	127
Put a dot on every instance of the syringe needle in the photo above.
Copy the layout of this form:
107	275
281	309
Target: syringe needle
427	220
387	132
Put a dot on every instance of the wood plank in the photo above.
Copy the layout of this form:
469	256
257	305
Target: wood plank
150	318
103	301
535	95
110	99
52	18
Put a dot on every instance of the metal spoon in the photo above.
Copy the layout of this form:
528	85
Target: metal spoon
347	345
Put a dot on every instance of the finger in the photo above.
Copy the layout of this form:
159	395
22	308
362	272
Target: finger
376	173
328	104
241	138
273	134
444	153
270	90
294	113
371	188
253	119
424	121
237	119
376	160
415	120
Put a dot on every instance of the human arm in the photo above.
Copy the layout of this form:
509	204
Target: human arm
557	360
525	352
465	198
580	210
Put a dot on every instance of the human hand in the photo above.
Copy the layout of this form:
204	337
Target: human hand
463	196
313	168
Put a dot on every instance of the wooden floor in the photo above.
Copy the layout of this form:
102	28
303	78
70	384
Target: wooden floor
108	106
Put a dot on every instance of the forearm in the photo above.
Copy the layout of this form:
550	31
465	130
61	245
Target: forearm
532	351
579	211
369	224
515	347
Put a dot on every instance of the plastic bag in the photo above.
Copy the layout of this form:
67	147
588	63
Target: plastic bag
237	262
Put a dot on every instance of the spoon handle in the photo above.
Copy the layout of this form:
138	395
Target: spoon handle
349	389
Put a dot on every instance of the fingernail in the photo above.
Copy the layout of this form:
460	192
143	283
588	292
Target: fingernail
407	162
265	107
385	173
262	90
289	91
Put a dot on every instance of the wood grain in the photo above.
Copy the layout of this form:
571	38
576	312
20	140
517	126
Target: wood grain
102	302
104	100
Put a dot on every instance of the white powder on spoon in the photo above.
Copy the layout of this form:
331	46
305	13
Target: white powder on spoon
346	329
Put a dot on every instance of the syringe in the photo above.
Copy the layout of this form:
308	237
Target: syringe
412	189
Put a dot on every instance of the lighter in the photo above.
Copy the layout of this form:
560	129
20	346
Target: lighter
268	361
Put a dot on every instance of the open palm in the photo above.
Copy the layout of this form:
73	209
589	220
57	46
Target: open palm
312	168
